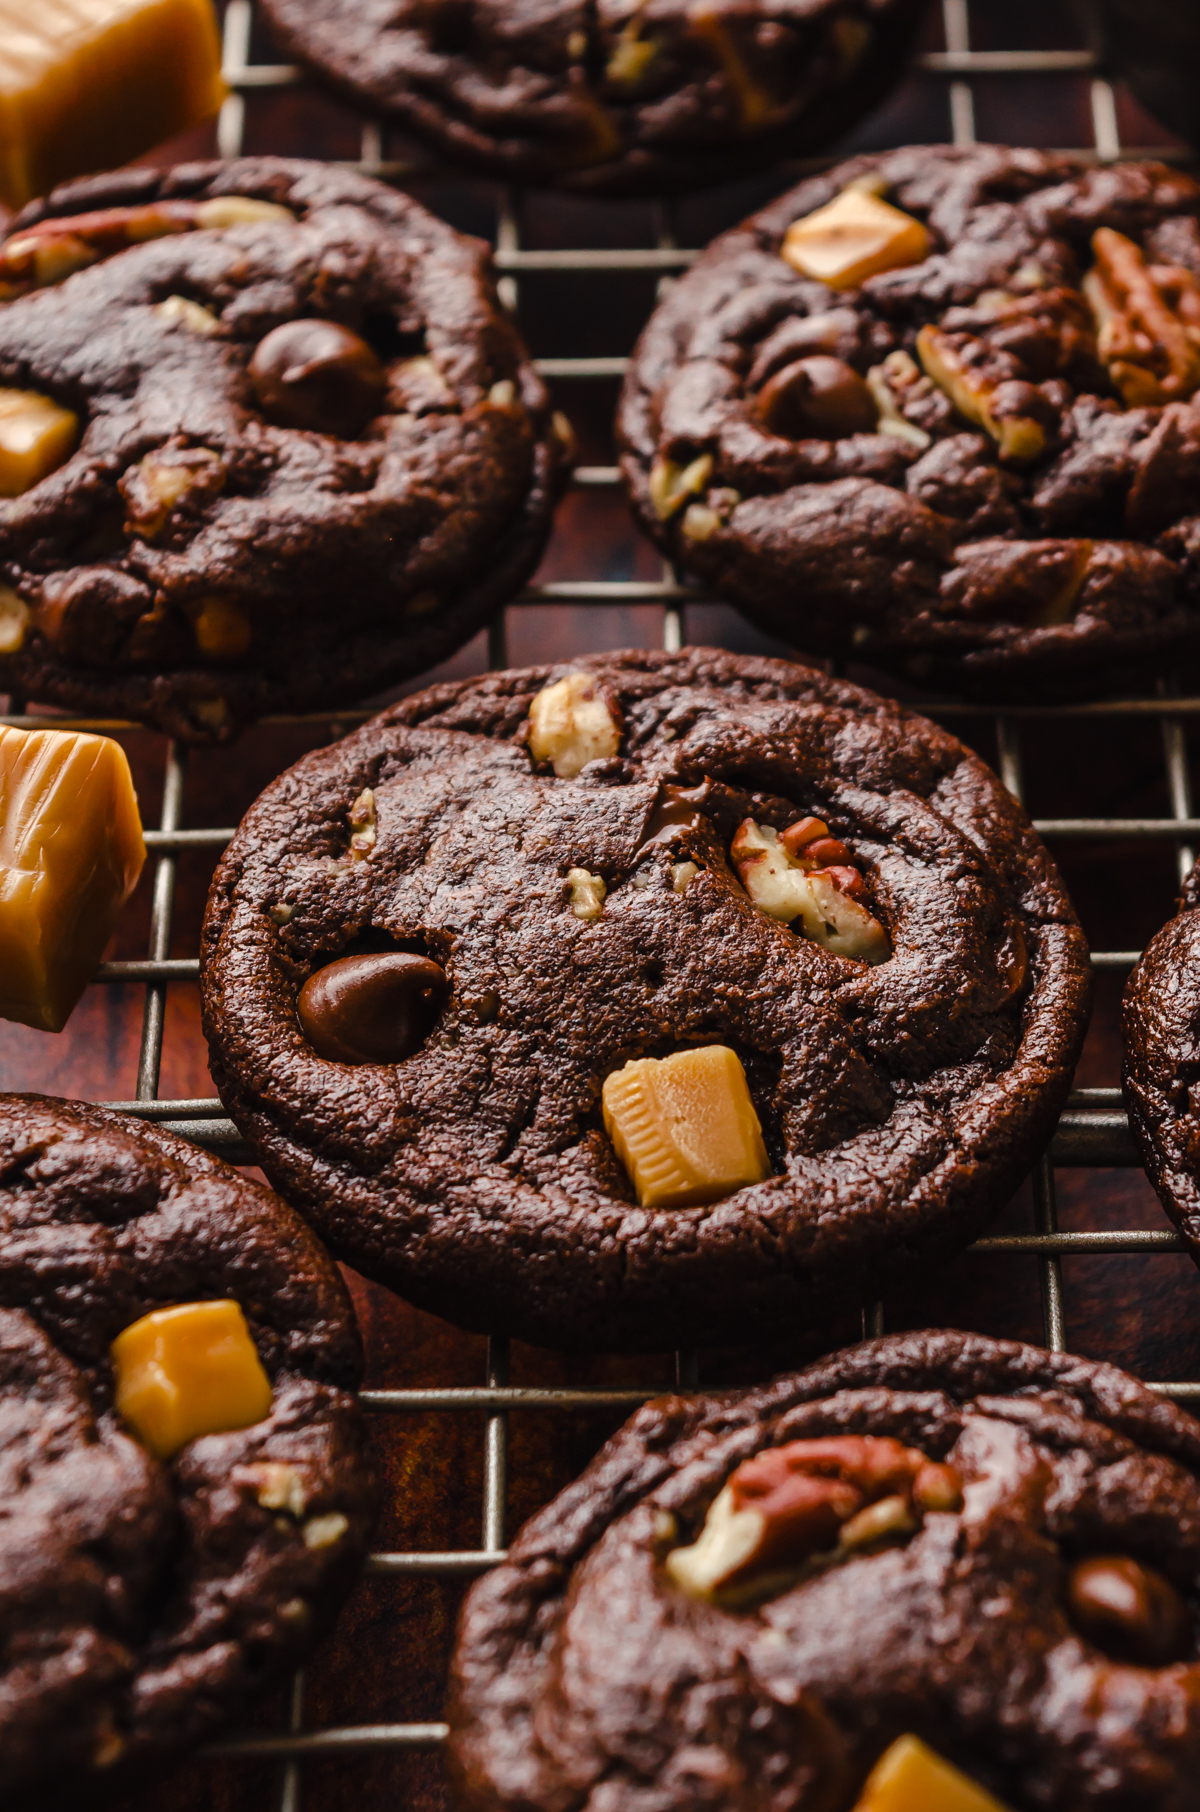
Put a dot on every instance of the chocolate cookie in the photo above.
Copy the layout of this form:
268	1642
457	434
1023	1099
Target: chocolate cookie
949	427
1160	1020
992	1547
296	450
439	956
143	1601
608	99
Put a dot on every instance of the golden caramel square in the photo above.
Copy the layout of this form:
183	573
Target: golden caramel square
685	1127
855	237
90	84
71	851
36	436
188	1371
909	1777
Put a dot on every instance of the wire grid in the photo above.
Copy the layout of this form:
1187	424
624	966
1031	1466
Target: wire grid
1093	1130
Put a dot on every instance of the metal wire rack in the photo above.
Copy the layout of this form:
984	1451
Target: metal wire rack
1092	1131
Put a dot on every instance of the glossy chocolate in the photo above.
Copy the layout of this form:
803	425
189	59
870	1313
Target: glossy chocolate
1129	1611
318	375
376	1008
677	814
818	396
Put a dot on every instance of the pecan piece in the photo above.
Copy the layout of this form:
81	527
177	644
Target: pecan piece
980	383
1148	321
809	876
790	1503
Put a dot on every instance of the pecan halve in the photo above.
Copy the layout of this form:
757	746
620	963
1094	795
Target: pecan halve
985	386
1148	322
790	1503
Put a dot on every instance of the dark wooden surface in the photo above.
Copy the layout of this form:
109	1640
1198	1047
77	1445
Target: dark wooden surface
387	1660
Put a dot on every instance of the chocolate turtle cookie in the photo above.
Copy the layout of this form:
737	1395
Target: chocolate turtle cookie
187	1495
989	1548
938	411
612	99
1161	1019
645	1003
270	443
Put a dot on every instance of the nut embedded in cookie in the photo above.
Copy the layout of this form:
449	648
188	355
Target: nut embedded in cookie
570	724
685	1127
808	875
910	1777
188	1371
854	237
791	1503
1148	321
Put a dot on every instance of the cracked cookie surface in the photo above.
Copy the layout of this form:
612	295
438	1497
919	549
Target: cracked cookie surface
585	1674
585	922
143	1602
975	464
229	537
607	98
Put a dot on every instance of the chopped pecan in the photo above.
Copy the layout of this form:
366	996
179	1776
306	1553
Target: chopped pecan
788	1504
1148	321
163	481
983	386
809	876
671	484
53	249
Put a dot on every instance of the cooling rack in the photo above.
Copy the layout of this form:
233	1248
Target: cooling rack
1093	1130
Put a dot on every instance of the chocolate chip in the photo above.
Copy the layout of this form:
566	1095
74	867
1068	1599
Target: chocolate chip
676	814
371	1009
819	396
1129	1611
318	375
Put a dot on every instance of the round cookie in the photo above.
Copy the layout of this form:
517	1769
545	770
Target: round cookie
143	1601
312	455
584	923
976	466
967	1607
1160	1018
607	99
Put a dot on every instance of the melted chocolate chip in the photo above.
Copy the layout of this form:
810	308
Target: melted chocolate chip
676	814
377	1008
819	396
318	375
1129	1611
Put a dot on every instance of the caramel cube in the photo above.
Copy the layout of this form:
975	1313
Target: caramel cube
188	1371
71	851
36	436
909	1777
855	237
685	1127
90	84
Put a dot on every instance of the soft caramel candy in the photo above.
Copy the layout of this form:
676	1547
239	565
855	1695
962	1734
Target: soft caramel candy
188	1371
685	1127
853	238
89	84
36	436
570	724
909	1777
71	851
